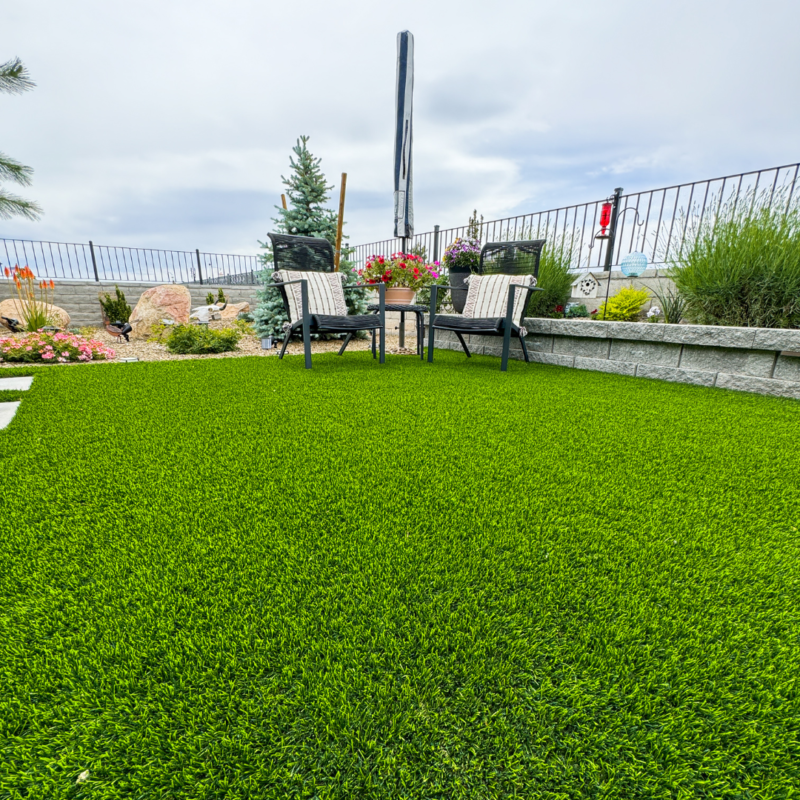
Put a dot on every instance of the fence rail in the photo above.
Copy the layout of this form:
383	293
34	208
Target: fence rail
653	222
94	262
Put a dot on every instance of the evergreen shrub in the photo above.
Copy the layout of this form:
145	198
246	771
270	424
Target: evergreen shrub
116	308
624	306
199	339
307	190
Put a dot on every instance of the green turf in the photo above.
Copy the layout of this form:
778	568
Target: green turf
239	579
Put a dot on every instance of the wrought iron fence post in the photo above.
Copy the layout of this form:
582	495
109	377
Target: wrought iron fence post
612	231
435	242
612	237
199	268
94	263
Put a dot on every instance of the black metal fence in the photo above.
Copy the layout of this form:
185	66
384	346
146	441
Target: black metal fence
94	262
653	222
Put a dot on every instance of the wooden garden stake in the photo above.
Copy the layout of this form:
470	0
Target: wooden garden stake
283	200
338	253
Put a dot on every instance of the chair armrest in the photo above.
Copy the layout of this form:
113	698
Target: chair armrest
288	283
441	286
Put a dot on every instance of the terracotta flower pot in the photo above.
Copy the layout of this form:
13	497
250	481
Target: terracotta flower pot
398	295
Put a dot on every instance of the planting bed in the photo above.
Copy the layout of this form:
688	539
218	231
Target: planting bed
237	578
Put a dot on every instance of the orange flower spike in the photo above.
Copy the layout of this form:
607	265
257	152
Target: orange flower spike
52	284
8	272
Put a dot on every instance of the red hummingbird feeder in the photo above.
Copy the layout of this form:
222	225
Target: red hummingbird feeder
605	220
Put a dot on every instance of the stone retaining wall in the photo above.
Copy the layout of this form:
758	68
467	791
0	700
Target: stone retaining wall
760	360
79	298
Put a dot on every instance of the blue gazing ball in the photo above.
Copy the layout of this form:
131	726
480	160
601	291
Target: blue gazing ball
633	264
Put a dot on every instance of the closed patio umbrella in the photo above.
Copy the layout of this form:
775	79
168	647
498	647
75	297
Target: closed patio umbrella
403	184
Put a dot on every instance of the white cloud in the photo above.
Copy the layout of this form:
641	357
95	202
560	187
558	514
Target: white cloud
169	123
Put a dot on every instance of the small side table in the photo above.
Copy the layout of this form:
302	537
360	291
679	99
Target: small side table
419	311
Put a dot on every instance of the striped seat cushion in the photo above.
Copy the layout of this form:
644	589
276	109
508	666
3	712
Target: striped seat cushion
325	293
488	295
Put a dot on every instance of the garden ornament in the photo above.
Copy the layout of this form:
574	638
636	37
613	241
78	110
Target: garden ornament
204	314
633	265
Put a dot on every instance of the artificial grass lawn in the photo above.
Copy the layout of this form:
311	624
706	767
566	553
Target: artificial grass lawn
239	579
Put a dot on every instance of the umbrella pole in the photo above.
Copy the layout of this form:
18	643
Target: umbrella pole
338	254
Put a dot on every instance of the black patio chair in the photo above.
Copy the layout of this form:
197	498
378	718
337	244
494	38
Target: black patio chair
493	306
313	302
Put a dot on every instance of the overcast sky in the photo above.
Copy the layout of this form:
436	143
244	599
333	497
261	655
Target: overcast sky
168	123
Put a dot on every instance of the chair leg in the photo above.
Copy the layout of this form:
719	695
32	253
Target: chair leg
345	343
382	315
463	343
373	344
524	349
306	322
420	337
506	348
286	336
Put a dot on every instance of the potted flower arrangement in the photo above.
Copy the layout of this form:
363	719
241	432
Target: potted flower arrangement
461	258
402	273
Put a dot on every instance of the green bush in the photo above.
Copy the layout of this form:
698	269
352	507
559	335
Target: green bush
624	306
576	311
199	339
741	266
116	308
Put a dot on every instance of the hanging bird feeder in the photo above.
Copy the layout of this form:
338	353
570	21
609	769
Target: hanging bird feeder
605	221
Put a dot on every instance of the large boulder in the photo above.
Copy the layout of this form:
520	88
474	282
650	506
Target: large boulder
232	311
13	309
168	302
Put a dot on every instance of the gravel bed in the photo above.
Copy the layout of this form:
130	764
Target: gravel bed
248	346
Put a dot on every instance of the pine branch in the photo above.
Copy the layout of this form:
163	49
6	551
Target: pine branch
14	77
13	206
12	170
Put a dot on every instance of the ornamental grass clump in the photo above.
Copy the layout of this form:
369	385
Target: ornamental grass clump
55	348
34	308
559	256
741	265
400	270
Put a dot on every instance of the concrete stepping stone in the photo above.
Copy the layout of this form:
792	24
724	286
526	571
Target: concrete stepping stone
7	411
20	384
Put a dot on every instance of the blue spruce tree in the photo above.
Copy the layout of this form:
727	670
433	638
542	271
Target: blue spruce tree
307	191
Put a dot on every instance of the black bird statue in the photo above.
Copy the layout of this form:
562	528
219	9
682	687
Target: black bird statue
12	324
119	329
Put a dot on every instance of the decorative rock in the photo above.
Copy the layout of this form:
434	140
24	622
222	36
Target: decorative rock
12	308
167	302
232	311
